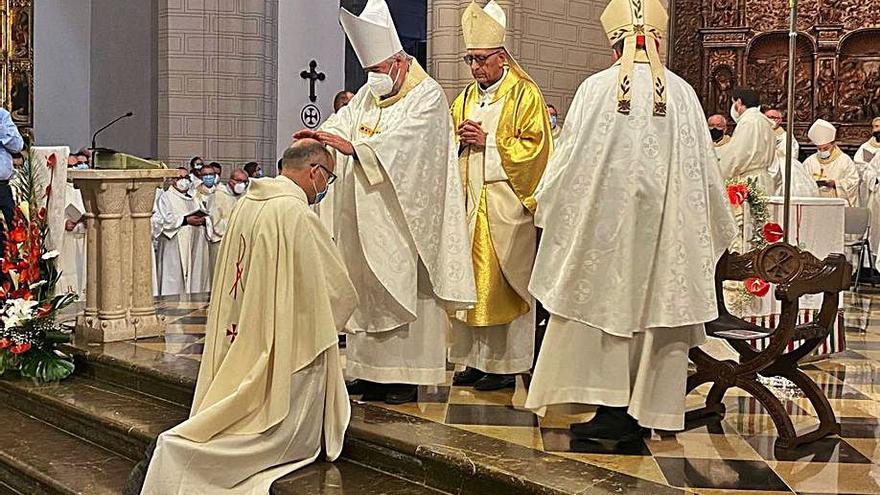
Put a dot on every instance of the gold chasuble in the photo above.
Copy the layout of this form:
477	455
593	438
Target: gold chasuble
524	141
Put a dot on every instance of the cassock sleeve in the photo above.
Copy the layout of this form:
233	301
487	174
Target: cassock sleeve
848	184
165	219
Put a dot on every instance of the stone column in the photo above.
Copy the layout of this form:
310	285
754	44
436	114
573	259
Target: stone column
92	286
143	309
111	209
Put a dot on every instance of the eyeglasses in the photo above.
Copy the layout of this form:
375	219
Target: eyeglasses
479	59
331	177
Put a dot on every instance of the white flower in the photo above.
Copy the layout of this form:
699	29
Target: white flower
17	311
50	254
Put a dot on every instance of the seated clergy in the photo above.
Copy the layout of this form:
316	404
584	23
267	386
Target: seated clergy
270	392
833	171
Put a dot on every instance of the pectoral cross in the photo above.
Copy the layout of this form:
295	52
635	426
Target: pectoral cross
312	75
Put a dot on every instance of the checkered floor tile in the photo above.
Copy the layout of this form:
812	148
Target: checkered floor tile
732	455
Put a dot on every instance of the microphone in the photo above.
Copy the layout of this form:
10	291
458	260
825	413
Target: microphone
117	119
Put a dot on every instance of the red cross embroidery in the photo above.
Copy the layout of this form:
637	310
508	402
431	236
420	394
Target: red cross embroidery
239	270
232	333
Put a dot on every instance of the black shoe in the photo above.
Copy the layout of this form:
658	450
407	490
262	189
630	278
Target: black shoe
369	391
492	382
609	423
467	377
401	394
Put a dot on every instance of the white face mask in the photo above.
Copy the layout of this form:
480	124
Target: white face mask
381	84
239	188
182	184
824	154
734	114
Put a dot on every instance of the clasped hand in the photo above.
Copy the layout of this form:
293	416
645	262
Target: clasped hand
470	132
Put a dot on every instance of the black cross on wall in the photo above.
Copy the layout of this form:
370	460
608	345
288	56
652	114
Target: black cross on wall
313	76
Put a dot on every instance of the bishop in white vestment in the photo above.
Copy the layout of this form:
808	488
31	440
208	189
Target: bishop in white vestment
399	215
183	245
635	218
270	395
833	170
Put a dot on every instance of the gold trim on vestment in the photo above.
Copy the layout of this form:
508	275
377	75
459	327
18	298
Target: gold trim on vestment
497	302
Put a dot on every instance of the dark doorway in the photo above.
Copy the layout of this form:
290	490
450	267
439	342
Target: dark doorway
410	18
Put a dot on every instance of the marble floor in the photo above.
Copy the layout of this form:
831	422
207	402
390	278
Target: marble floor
733	455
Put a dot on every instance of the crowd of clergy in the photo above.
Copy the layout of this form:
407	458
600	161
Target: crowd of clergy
426	249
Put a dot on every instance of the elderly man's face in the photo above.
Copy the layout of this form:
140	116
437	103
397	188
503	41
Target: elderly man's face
486	65
876	126
775	116
395	67
825	147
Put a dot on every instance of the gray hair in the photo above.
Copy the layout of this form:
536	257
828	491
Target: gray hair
304	153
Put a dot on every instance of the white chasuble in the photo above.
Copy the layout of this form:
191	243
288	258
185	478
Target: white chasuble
397	207
865	154
802	185
751	150
219	209
635	218
183	249
838	168
270	393
871	183
508	348
72	257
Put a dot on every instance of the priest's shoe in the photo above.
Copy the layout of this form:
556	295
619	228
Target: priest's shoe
401	394
467	377
357	386
369	391
609	423
492	382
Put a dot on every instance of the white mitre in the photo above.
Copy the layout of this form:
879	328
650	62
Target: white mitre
372	34
822	132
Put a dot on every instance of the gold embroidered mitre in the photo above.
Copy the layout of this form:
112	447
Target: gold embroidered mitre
640	24
483	28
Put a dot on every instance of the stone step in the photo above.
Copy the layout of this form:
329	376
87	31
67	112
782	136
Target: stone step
118	419
38	459
345	477
425	452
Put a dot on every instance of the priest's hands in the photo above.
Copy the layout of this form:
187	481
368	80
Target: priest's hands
470	132
340	144
194	220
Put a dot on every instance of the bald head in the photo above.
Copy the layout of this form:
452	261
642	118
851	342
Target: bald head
717	122
308	163
775	116
304	153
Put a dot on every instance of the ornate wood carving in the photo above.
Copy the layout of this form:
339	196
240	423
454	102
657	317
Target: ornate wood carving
716	44
16	18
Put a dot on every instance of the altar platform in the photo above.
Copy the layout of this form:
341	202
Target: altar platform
454	440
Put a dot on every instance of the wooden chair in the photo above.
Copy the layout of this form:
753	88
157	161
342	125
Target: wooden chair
795	274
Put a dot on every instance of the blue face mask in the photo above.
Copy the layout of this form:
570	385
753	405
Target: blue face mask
209	180
320	195
81	166
553	121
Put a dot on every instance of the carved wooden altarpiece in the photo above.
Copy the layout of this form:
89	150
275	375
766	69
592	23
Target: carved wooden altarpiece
17	68
719	44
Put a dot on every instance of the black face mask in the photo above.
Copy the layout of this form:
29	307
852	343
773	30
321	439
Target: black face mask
717	134
877	135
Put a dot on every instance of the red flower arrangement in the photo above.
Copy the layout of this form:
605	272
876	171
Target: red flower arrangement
28	302
737	193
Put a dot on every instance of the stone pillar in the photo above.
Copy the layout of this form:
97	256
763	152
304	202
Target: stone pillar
143	309
119	204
